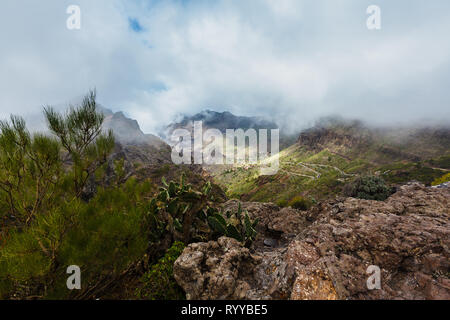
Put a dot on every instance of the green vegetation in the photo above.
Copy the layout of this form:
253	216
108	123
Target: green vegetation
190	215
322	171
301	172
180	207
30	171
237	225
47	222
441	162
158	283
63	202
369	188
163	170
282	203
445	178
80	133
400	172
300	203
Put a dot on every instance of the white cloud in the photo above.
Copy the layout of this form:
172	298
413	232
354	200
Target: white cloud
292	59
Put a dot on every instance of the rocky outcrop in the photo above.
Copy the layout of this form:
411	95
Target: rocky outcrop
224	269
325	253
407	237
219	269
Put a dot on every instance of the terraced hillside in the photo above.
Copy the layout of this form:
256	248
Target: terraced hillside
333	153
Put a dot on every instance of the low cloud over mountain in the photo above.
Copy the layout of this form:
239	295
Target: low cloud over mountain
288	60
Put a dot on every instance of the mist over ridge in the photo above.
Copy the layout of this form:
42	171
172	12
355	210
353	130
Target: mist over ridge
288	61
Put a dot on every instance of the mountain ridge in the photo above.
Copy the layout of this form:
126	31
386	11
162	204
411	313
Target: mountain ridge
329	155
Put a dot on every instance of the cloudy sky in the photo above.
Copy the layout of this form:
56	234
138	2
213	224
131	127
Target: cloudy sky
293	60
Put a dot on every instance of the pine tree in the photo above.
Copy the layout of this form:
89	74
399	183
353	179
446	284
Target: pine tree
41	182
30	169
80	133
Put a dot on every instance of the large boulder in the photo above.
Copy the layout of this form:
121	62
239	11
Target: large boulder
215	270
223	269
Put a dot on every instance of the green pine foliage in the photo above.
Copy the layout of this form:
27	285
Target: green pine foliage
47	225
80	134
30	171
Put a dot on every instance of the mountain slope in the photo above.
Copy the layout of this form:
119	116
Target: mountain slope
331	154
127	131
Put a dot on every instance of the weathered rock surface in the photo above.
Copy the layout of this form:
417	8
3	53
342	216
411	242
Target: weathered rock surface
407	237
219	269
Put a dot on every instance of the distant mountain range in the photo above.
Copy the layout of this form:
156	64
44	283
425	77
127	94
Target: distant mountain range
226	120
221	121
128	132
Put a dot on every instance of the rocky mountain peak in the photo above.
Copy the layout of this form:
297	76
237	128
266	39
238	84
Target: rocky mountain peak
127	131
220	120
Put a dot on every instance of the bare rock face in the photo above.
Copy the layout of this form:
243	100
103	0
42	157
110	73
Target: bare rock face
407	237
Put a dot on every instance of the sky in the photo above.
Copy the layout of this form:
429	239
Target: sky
288	60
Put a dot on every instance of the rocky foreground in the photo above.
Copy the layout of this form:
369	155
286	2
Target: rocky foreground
325	253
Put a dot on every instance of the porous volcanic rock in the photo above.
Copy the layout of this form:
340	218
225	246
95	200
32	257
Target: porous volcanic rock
407	237
215	270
